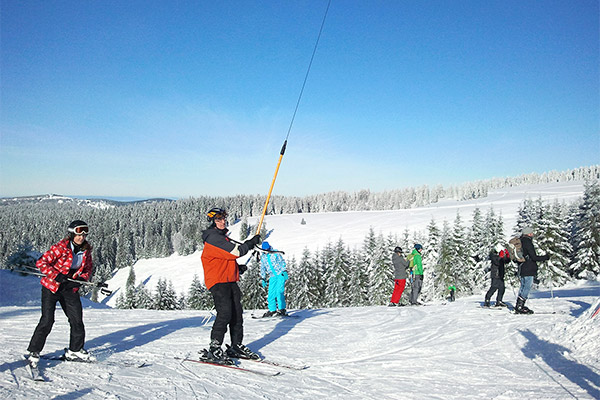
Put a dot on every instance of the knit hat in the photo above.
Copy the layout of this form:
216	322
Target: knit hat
527	231
398	249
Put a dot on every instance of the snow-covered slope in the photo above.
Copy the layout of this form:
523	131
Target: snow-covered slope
452	351
287	233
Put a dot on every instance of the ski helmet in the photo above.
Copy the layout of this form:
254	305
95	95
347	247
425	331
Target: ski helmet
78	227
398	249
418	247
266	246
215	212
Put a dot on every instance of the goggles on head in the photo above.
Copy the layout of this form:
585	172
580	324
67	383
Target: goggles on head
216	213
80	230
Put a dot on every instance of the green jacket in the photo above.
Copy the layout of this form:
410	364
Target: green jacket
416	262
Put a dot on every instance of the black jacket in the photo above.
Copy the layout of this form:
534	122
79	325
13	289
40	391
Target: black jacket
530	267
498	263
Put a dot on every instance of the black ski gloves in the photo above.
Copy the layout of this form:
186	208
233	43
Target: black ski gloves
253	242
61	278
242	268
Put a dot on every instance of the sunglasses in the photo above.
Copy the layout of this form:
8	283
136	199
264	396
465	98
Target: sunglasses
80	230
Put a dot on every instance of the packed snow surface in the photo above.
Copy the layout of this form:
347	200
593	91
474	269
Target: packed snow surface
438	351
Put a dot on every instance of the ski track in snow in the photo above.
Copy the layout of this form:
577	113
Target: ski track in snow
452	351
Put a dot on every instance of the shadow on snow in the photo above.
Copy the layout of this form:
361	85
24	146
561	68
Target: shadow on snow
553	355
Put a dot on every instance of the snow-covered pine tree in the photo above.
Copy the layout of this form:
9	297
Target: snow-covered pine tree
130	295
244	229
479	245
143	297
165	297
380	273
586	234
254	296
430	255
463	272
552	238
196	299
334	277
304	290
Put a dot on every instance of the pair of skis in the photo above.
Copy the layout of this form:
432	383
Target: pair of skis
248	370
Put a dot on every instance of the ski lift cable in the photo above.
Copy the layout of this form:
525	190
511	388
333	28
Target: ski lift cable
282	152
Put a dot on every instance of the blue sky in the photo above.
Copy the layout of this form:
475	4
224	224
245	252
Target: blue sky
189	98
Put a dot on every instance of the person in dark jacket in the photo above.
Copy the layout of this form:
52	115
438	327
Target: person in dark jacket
67	262
527	270
499	257
221	274
400	264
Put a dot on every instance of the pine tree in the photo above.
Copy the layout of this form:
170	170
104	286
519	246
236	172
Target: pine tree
304	291
586	237
254	296
553	239
196	296
380	273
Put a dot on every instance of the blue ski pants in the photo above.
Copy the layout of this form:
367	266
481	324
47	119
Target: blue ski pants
276	296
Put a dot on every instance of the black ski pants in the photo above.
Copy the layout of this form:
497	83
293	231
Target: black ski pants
71	305
497	284
228	303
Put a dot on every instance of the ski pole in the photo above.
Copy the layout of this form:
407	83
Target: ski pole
100	285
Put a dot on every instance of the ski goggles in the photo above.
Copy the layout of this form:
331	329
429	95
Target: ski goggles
80	230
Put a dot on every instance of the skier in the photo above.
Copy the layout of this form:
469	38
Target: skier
221	274
416	266
400	264
499	257
527	270
452	290
274	265
71	258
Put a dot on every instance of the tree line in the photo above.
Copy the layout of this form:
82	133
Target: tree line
455	254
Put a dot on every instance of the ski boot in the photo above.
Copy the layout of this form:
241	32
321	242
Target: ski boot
486	303
392	304
215	354
269	314
282	312
500	303
241	351
520	307
79	356
33	358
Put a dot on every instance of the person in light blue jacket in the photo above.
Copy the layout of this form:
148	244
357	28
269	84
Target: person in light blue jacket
273	265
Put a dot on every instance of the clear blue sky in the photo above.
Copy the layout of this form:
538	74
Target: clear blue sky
188	98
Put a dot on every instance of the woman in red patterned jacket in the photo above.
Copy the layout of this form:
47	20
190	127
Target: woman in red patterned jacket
65	263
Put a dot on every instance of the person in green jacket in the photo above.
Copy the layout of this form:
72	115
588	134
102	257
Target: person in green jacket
416	266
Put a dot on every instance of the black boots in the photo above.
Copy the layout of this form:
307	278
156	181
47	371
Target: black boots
520	308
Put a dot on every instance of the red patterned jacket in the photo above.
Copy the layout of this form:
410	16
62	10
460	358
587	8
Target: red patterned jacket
58	260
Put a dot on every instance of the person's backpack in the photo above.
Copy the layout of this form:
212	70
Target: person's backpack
516	250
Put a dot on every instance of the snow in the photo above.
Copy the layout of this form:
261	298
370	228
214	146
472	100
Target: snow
452	351
288	234
438	351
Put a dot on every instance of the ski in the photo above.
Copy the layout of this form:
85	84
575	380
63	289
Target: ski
254	316
139	364
34	371
278	364
237	367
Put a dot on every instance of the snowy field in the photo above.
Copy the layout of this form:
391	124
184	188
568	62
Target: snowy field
288	234
437	351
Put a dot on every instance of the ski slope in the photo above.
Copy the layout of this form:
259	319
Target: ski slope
287	233
452	351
